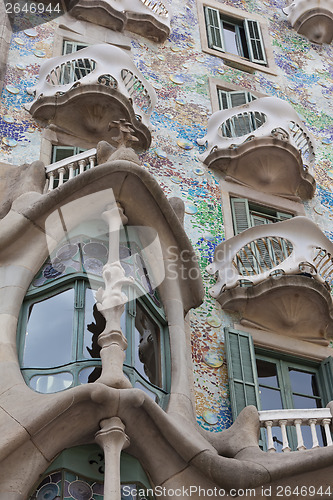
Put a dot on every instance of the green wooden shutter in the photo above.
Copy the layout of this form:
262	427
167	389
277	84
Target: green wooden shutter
214	31
325	378
255	41
242	371
282	216
229	99
240	214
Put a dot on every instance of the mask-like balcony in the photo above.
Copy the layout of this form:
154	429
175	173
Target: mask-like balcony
312	18
278	277
149	18
81	94
264	145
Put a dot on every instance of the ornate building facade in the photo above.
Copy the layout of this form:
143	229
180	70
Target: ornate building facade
166	249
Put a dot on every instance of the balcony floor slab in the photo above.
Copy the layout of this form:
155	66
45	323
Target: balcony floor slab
86	112
292	305
267	164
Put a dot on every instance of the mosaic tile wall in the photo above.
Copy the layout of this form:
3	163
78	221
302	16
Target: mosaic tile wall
179	72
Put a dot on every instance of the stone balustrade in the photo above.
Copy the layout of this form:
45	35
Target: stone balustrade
312	18
299	420
62	171
266	117
294	246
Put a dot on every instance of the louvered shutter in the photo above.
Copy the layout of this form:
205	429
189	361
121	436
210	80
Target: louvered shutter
240	214
214	31
242	371
223	99
255	41
264	253
325	376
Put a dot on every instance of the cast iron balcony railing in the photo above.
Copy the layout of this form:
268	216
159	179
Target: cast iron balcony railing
279	277
82	93
149	18
262	144
312	18
296	419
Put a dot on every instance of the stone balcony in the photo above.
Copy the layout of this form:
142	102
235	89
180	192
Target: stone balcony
278	277
149	18
264	145
312	18
81	94
306	422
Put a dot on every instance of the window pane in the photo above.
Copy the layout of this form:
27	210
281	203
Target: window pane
147	346
90	374
270	399
307	437
267	373
48	341
94	324
302	402
51	383
303	382
230	38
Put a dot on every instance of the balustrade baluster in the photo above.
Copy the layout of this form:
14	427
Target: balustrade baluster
91	161
71	171
326	424
270	442
51	181
82	164
312	422
61	172
285	443
300	442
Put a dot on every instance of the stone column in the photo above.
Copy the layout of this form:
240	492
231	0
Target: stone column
111	303
112	439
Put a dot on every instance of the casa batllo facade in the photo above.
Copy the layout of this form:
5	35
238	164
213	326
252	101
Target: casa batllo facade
166	249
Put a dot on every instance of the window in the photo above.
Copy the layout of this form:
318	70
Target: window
246	214
270	380
240	39
74	70
228	100
61	152
79	473
60	323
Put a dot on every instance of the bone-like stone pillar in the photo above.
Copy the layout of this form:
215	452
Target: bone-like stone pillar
111	303
112	439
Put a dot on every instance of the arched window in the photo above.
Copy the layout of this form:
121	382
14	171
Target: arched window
60	323
78	473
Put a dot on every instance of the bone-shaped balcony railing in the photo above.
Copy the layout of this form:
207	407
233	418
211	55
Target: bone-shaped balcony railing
98	64
157	7
312	18
62	171
264	117
299	419
294	246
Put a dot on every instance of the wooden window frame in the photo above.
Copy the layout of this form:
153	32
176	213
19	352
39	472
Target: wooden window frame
239	16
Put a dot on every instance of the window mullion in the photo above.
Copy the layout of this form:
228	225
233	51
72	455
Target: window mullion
78	327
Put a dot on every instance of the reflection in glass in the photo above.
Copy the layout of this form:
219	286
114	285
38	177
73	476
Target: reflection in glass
89	374
94	323
307	438
301	402
267	373
270	398
303	382
51	383
147	338
48	340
